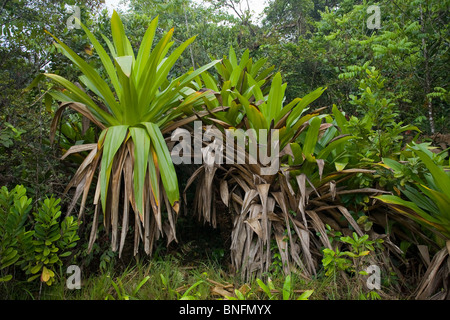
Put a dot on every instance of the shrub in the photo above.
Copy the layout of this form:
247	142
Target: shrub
37	246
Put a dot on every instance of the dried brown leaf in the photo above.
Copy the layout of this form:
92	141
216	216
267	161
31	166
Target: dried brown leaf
79	148
224	193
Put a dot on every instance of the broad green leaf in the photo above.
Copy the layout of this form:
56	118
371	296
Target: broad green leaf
238	294
396	166
303	120
104	57
6	278
97	83
305	295
197	72
165	165
152	115
256	89
147	88
265	74
409	127
121	42
125	63
350	254
419	198
223	70
110	46
141	142
244	59
439	199
209	81
103	116
166	66
306	100
441	179
263	286
287	108
416	212
9	258
298	155
232	58
340	119
145	48
340	165
275	99
128	99
91	86
323	154
234	77
256	67
114	138
65	254
36	268
256	118
287	288
311	138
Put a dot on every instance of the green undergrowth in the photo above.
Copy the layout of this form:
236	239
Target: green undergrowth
170	278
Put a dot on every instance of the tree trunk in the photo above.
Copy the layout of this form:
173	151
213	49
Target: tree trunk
187	29
427	76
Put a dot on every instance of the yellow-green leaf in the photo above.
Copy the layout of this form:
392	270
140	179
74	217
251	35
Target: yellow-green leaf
47	274
125	63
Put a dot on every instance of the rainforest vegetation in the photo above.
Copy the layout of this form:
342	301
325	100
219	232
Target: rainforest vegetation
113	123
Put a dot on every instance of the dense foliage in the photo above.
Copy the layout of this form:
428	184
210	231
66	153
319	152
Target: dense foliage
91	100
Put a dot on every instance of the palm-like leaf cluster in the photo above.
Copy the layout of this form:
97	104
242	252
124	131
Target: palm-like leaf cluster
137	104
286	210
133	111
428	198
270	208
428	203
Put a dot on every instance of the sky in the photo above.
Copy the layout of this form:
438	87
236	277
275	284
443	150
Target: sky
257	6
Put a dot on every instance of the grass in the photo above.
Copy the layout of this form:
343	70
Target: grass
169	278
195	269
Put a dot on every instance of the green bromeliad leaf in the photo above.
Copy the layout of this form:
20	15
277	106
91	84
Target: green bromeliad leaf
114	139
306	100
429	200
311	138
133	104
164	164
125	63
141	141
